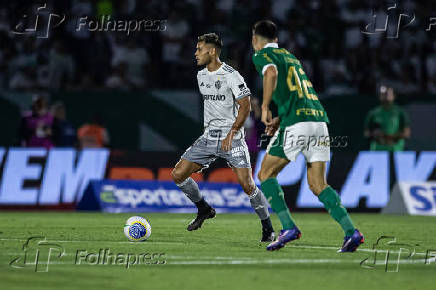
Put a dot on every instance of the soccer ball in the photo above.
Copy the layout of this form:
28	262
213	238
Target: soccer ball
137	229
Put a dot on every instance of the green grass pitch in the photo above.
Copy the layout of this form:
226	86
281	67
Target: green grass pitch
223	254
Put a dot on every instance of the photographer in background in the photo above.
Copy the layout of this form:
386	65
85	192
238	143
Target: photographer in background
36	125
387	126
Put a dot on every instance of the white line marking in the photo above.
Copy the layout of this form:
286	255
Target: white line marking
249	262
185	243
112	242
266	261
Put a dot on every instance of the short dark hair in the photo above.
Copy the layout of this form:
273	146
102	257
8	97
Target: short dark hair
211	38
265	28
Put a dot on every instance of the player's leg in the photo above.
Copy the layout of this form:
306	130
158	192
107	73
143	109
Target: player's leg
257	200
317	153
332	203
274	161
181	175
280	152
238	159
194	159
270	168
328	196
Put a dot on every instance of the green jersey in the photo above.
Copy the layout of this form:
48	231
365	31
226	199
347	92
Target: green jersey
294	95
390	121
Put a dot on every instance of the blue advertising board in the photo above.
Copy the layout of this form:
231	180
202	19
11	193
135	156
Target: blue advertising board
414	198
159	196
36	177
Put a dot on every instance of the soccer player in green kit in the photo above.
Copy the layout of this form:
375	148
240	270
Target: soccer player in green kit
387	125
301	126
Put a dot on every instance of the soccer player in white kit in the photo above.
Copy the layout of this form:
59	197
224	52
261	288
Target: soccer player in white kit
226	107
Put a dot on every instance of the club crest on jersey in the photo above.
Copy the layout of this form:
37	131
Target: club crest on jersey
218	84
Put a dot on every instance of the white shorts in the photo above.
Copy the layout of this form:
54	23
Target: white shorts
310	138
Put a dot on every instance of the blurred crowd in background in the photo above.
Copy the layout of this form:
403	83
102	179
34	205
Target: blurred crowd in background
342	44
326	35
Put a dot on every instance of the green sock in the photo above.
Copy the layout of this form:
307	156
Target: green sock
332	204
276	198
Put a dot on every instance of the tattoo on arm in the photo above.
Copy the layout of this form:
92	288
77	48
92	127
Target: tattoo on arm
243	112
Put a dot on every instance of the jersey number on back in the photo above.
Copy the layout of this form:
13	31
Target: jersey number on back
301	86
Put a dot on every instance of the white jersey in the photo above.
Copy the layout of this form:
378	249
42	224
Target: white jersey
220	89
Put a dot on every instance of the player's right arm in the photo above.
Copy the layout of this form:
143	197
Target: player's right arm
269	85
268	70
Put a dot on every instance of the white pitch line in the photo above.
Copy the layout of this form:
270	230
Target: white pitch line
252	262
337	248
166	256
185	243
331	248
232	262
292	261
208	257
194	260
266	261
113	242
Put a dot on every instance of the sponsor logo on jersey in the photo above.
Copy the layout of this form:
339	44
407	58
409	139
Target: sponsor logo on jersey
208	86
310	112
214	97
202	84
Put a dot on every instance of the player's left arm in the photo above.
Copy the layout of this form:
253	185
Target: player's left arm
242	96
243	112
